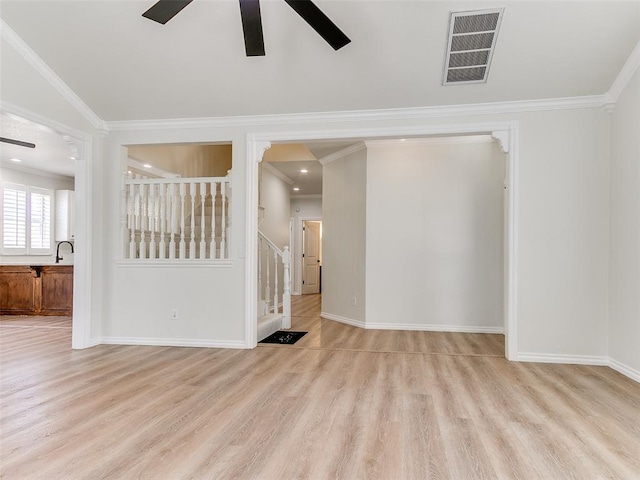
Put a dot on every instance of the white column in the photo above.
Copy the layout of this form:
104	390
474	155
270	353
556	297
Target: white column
286	288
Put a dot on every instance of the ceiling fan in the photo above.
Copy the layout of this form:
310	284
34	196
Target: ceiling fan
164	10
20	143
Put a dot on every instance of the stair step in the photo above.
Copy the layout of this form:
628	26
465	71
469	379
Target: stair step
268	324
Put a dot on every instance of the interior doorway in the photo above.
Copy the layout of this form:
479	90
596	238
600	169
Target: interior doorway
311	257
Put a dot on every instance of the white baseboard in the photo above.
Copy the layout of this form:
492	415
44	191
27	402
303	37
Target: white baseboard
625	370
410	326
94	342
560	358
338	318
433	328
172	342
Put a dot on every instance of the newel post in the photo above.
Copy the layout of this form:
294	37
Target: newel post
286	293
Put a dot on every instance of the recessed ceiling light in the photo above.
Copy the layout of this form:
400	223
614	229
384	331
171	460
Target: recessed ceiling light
146	165
72	158
17	160
403	139
296	189
304	170
129	172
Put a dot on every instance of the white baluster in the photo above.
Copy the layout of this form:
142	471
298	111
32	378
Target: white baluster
267	290
183	245
172	220
223	223
163	213
203	244
275	282
132	228
260	256
286	293
152	221
214	192
143	226
229	203
192	243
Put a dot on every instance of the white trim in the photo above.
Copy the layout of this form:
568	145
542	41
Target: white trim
625	370
338	318
342	153
314	195
628	70
271	169
296	257
157	263
433	328
50	76
94	342
397	142
171	342
255	141
83	241
6	165
493	108
563	359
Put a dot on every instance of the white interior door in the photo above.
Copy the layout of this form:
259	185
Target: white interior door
310	257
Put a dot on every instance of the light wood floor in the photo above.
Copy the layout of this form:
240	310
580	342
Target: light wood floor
124	412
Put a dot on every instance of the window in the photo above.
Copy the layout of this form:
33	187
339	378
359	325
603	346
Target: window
26	220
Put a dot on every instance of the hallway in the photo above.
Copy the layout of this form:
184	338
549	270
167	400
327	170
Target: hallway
330	335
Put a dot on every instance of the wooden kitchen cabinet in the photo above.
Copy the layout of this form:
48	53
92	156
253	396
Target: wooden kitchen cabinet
36	290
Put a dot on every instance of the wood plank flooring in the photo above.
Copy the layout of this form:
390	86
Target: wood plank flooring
126	412
328	334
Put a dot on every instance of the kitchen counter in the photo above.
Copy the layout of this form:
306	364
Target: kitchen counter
38	289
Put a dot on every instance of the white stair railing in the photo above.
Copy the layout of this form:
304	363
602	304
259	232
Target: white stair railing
274	264
169	219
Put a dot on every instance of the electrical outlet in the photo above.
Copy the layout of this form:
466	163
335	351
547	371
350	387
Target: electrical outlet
174	314
354	301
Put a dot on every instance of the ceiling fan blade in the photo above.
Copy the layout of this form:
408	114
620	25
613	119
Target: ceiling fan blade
164	10
252	27
17	142
320	23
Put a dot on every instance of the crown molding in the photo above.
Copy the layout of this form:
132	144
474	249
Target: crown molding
34	171
270	168
624	76
342	153
308	195
569	103
396	142
50	76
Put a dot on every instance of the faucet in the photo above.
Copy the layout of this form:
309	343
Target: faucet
58	257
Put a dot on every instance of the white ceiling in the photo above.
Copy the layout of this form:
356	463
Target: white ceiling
126	67
52	154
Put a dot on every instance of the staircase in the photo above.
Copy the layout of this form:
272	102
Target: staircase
274	308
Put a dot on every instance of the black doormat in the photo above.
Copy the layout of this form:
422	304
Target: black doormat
283	337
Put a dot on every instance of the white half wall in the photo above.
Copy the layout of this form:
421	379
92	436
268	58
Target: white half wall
435	256
344	193
624	271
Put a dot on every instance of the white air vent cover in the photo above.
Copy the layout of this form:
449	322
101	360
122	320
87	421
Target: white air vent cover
472	39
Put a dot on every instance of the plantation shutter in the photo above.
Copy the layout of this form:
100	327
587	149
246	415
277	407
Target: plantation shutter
14	224
40	222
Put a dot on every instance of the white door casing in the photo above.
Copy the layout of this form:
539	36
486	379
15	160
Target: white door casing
310	258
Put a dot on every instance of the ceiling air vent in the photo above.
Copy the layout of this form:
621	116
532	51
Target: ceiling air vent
472	39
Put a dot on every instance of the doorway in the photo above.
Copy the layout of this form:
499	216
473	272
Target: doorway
504	133
311	257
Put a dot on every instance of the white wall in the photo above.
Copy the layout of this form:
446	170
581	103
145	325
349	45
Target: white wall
344	237
47	181
274	197
624	272
301	208
435	235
